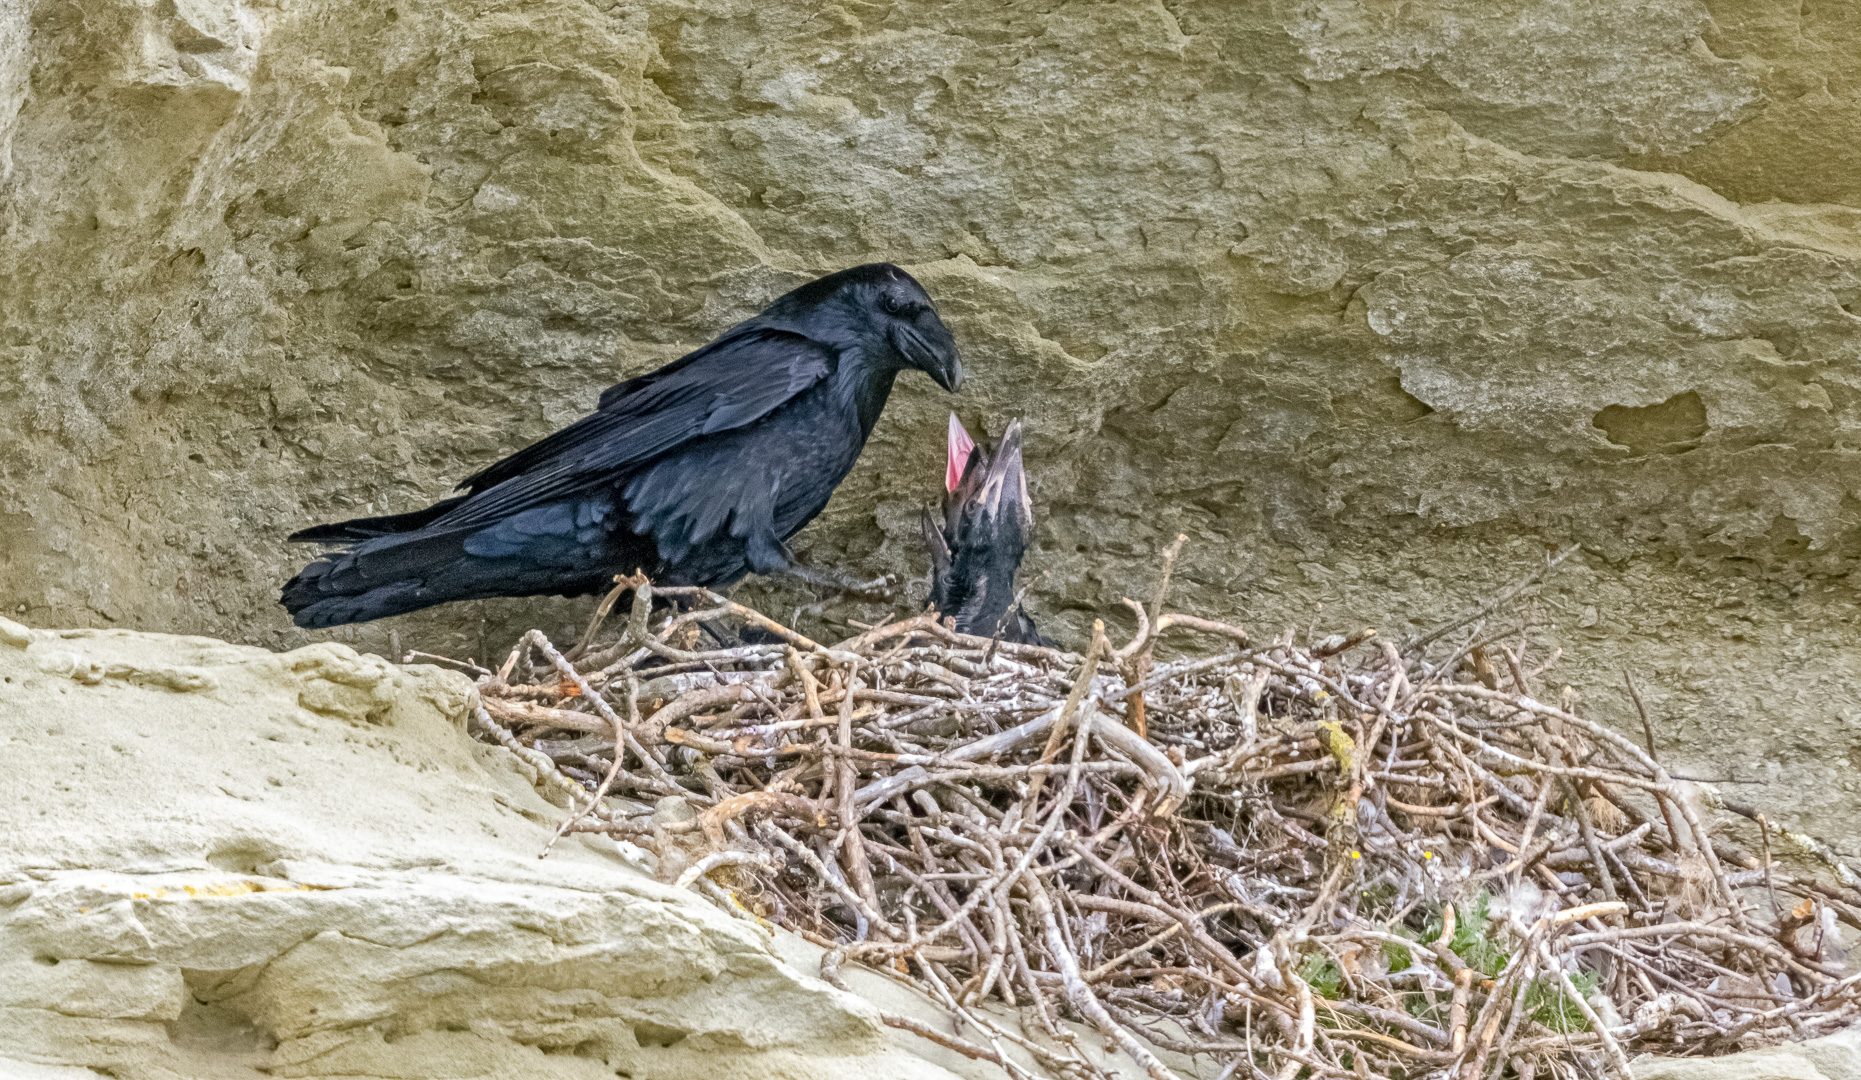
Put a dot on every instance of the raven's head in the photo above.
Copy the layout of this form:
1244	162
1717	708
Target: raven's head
977	547
913	328
888	308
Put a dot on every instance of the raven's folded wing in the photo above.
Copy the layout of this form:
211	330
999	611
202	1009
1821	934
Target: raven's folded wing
729	384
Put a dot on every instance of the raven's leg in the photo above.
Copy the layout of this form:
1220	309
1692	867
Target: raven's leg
770	557
879	588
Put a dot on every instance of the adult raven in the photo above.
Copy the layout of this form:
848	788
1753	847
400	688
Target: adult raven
976	549
698	472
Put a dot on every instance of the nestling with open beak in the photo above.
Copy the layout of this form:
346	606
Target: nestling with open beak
976	549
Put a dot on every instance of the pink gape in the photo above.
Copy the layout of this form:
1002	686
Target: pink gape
960	447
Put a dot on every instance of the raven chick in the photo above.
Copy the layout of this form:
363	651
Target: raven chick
698	472
977	548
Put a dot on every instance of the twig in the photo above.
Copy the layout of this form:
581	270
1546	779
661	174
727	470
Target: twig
1505	597
1647	729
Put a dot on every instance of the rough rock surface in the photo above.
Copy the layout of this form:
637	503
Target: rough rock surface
1835	1057
220	863
1377	301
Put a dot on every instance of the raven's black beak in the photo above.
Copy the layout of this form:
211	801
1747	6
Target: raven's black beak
948	373
928	346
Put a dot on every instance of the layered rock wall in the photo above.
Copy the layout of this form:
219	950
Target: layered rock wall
1377	301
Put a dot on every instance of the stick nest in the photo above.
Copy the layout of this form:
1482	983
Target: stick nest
1335	858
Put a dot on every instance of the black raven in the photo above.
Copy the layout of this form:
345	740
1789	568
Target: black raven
698	472
977	548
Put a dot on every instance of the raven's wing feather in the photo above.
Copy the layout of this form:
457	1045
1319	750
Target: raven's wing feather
732	383
714	491
543	519
356	529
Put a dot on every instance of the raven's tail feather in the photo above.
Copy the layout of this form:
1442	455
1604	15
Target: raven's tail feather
402	572
312	608
349	586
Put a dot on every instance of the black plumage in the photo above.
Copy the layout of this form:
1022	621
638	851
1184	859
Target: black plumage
976	549
698	472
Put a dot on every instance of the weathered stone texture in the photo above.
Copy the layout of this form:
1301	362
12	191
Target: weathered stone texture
1377	301
217	861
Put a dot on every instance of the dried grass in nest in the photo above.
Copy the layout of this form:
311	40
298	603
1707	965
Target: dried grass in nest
1337	858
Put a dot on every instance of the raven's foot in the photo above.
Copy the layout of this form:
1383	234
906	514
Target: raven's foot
883	588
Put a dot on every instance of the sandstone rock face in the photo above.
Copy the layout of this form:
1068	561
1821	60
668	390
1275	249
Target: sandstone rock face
1834	1057
1378	302
217	861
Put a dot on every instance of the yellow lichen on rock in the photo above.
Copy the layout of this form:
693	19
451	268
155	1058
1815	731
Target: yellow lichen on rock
1338	744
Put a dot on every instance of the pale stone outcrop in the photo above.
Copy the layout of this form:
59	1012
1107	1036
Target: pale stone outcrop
221	862
1833	1057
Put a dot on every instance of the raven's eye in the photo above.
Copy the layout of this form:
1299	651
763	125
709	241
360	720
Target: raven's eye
894	304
